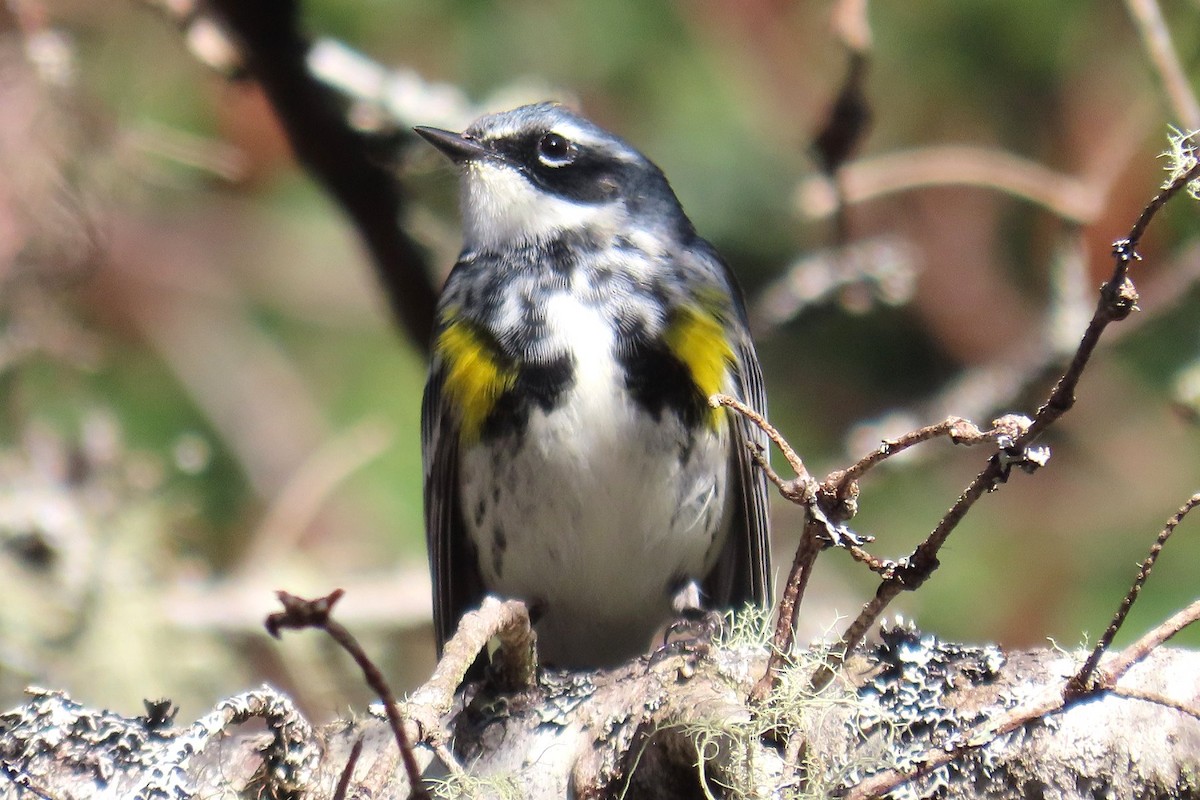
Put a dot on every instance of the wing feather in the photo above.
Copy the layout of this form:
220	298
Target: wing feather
743	571
453	568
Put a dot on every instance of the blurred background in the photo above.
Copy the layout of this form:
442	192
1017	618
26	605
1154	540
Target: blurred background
205	398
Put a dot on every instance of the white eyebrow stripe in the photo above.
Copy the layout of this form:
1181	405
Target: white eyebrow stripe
568	130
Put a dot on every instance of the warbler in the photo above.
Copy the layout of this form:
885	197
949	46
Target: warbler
571	456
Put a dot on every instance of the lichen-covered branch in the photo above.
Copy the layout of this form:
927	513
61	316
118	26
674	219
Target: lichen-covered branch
912	715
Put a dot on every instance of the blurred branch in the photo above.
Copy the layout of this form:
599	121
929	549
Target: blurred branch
198	152
883	269
852	26
951	165
201	330
1157	40
295	506
351	165
847	120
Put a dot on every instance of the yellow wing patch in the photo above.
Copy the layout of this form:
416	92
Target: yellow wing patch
476	376
695	336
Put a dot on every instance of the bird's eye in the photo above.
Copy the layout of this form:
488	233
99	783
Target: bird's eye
554	150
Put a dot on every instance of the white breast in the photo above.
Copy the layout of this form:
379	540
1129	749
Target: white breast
596	512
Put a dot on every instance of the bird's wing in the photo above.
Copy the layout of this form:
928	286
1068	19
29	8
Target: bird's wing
743	571
457	585
750	534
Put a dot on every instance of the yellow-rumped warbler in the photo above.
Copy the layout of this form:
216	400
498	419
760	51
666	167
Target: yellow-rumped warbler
571	457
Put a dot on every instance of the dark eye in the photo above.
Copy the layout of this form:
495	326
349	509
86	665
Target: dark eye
554	150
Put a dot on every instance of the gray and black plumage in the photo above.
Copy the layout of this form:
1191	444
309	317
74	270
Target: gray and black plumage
571	457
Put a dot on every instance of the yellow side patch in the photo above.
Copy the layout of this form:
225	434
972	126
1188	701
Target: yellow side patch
475	376
696	338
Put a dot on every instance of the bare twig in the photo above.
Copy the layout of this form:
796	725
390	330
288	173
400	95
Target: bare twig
1082	681
1118	298
1156	38
800	490
299	613
833	501
881	566
909	573
980	390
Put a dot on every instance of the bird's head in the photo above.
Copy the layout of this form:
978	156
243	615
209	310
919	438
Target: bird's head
537	171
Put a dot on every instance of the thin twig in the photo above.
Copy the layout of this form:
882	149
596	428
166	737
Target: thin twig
959	430
800	490
909	573
1156	38
790	488
880	566
299	613
339	793
1081	682
1118	298
789	610
832	501
719	400
1144	646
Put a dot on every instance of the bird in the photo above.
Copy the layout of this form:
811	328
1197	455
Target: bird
571	456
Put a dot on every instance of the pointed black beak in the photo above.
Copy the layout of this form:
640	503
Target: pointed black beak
458	147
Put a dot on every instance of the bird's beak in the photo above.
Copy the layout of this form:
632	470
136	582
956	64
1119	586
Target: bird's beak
458	147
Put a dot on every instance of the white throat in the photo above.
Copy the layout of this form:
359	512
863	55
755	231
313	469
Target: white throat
501	207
